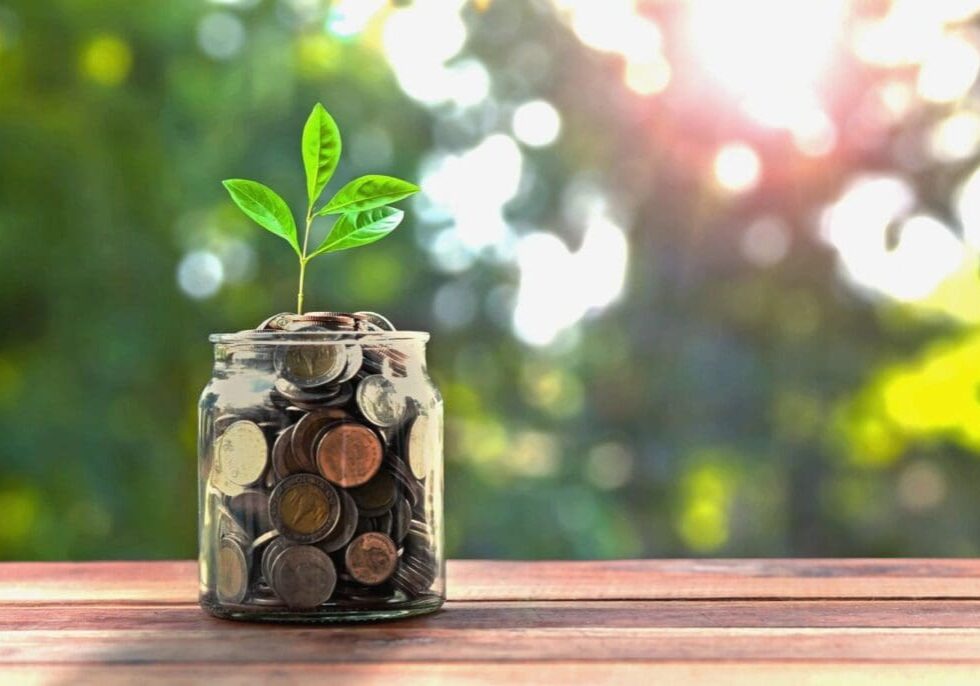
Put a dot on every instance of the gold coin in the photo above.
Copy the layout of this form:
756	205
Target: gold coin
304	509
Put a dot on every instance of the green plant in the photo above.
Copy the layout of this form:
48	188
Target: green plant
361	206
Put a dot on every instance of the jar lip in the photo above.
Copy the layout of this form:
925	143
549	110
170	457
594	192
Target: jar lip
315	337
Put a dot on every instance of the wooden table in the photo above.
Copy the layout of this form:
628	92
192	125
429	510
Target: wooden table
649	622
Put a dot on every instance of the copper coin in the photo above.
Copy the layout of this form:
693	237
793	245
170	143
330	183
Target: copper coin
306	430
304	508
371	558
349	454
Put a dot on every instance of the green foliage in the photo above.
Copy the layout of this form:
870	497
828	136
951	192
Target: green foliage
363	220
265	207
360	228
321	151
369	192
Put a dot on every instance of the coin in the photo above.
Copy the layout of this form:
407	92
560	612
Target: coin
241	453
402	513
232	582
251	510
371	558
355	357
378	320
303	576
276	321
308	366
306	430
376	496
349	454
270	554
382	524
379	401
263	540
284	460
421	443
414	490
344	531
304	508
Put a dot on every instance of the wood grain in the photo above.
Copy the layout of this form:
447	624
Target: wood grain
665	621
176	581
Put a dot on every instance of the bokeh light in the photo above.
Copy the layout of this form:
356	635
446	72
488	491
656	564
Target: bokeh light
737	167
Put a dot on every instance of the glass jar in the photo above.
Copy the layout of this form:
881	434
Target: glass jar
320	478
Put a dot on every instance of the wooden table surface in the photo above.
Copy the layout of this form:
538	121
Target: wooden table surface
663	622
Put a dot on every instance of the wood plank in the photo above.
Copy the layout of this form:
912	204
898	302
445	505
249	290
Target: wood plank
691	579
390	643
502	615
600	673
176	581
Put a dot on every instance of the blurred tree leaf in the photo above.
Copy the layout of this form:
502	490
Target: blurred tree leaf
357	229
368	192
321	150
265	206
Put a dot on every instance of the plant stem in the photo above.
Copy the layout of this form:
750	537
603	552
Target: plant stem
303	260
299	296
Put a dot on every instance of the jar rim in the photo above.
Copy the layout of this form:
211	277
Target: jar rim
317	337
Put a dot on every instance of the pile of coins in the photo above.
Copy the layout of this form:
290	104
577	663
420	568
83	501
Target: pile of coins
319	496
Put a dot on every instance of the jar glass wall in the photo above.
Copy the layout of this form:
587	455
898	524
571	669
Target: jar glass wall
320	478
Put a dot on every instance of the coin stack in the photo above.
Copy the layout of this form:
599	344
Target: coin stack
319	495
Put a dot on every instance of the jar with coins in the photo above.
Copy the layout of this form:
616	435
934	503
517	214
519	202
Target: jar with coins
320	473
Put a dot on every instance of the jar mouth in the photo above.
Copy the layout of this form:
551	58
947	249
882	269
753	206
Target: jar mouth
318	337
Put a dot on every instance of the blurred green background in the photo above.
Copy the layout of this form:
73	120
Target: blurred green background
701	276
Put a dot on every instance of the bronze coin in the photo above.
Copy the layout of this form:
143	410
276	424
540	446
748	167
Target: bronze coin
349	454
371	558
306	430
376	496
304	508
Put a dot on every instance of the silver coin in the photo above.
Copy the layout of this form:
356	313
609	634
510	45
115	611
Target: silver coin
379	401
232	571
241	454
422	442
303	576
355	358
308	366
344	531
378	320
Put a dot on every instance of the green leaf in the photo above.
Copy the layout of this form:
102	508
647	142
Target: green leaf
264	205
321	150
367	192
356	229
